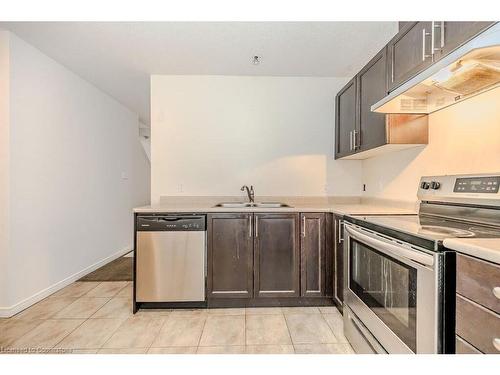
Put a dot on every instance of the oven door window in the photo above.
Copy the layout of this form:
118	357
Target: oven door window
388	287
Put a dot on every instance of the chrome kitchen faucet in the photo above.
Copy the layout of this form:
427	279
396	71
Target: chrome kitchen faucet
250	192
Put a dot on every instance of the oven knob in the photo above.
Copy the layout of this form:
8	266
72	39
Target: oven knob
435	185
425	185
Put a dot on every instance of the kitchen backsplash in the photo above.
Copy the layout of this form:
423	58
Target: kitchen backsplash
464	138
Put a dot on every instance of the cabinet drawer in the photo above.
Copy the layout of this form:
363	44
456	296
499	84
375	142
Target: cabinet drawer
478	325
477	279
463	347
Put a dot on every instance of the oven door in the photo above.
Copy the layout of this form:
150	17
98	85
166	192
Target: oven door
391	288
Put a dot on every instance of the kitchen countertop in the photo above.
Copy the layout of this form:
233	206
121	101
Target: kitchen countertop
483	248
341	206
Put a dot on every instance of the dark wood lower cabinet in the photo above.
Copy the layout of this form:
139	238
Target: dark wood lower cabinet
477	316
477	325
312	255
276	255
230	256
463	347
270	259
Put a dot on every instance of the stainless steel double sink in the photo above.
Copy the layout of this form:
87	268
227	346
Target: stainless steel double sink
252	205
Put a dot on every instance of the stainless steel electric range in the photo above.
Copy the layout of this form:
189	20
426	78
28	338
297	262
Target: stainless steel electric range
399	282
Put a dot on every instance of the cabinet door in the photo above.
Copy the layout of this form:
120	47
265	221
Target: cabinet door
372	86
345	119
455	34
276	255
312	255
409	53
338	291
230	256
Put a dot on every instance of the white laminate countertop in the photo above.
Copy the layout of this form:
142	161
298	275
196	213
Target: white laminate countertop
483	248
359	208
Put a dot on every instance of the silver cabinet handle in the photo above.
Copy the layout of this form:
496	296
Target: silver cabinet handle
350	140
496	343
439	26
392	64
357	142
250	226
496	291
433	27
256	226
424	34
442	34
341	239
304	226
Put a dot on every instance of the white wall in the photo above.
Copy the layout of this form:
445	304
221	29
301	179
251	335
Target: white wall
212	134
76	171
464	138
4	159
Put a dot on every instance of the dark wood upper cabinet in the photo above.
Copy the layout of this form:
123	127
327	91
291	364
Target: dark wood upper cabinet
371	86
409	53
276	255
420	44
312	255
403	24
338	259
230	256
416	47
455	34
345	119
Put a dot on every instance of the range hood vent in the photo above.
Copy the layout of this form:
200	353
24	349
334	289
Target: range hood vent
466	72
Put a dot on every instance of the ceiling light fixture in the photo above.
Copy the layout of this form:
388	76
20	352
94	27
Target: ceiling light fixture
256	59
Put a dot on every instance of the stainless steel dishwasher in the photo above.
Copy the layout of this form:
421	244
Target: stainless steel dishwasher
171	258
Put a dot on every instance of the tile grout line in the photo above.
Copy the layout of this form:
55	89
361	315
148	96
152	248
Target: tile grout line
110	298
84	320
50	317
289	333
330	328
167	317
201	334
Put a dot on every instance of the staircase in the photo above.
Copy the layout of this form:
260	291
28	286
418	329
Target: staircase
145	139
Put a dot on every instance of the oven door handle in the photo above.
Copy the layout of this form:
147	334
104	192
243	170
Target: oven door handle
391	249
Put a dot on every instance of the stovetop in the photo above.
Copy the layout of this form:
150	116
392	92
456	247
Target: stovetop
433	230
451	206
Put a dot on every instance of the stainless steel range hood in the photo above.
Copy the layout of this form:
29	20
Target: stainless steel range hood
464	73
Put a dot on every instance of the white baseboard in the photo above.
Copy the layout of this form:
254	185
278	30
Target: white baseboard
7	312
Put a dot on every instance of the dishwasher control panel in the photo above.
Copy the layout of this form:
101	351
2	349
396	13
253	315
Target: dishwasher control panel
184	223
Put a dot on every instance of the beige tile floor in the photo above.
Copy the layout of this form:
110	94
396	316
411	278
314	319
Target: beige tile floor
96	317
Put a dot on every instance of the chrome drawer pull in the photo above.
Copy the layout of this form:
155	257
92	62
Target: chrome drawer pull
496	343
250	226
496	291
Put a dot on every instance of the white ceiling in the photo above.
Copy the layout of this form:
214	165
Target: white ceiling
119	57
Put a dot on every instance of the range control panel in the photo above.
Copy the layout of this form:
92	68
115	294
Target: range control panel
479	189
487	185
